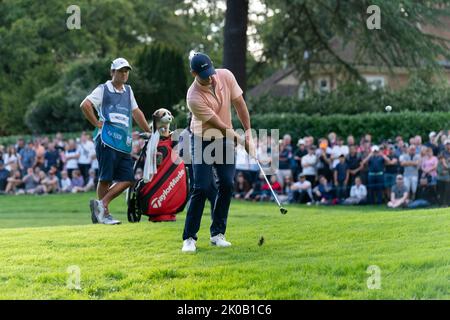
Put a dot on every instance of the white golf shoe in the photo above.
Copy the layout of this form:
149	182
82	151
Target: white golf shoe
189	245
219	241
100	213
110	220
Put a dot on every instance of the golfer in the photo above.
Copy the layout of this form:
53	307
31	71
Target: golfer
116	106
209	98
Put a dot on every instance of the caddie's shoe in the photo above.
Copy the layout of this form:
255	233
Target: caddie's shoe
219	241
110	220
189	245
99	211
93	215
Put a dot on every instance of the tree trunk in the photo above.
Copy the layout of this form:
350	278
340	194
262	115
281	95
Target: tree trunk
235	40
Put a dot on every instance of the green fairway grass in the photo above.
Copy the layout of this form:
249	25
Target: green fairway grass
310	253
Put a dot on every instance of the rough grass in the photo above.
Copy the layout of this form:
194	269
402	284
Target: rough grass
311	253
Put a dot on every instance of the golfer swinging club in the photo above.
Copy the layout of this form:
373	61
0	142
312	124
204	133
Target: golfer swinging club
209	98
116	106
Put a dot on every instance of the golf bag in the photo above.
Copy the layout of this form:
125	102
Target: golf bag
166	193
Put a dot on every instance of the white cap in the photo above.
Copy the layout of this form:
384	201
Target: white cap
375	148
447	141
432	134
300	141
120	63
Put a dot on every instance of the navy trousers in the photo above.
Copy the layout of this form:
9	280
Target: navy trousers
206	155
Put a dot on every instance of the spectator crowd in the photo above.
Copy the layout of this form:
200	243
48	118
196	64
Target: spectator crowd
399	173
333	171
44	165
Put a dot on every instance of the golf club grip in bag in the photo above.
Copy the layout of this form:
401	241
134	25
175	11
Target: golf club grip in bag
167	192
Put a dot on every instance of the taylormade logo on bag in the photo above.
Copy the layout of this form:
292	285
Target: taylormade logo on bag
157	202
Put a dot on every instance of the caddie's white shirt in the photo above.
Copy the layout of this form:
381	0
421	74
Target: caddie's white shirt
96	98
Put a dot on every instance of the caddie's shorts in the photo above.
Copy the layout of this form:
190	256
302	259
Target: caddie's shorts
113	165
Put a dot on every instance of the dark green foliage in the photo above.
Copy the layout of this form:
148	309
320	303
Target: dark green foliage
57	108
159	79
380	125
310	25
353	98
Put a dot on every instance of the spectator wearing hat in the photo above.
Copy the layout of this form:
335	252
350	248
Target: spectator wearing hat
341	177
410	161
299	153
399	194
433	143
358	193
376	165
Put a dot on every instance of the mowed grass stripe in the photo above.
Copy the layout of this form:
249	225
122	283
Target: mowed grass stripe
310	253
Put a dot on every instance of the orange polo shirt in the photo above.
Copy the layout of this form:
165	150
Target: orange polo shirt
203	103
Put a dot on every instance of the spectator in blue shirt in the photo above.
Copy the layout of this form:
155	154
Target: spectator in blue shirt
324	192
27	157
51	157
341	177
376	161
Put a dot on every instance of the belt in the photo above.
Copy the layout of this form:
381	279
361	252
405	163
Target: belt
376	173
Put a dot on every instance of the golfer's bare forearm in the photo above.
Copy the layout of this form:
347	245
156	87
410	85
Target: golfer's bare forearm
218	124
242	112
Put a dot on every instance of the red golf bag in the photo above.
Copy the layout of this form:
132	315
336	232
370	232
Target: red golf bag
166	193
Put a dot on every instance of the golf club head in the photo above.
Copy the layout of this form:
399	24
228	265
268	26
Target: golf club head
283	210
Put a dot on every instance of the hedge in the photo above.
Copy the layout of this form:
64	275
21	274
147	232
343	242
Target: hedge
380	125
352	98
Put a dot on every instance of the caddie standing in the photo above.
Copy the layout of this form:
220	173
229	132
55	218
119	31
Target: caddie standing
116	106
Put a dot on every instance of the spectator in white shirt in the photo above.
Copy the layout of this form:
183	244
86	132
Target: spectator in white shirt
337	150
358	193
11	159
86	147
302	190
71	157
66	183
309	163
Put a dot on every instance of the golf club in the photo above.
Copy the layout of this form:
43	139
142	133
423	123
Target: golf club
282	210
